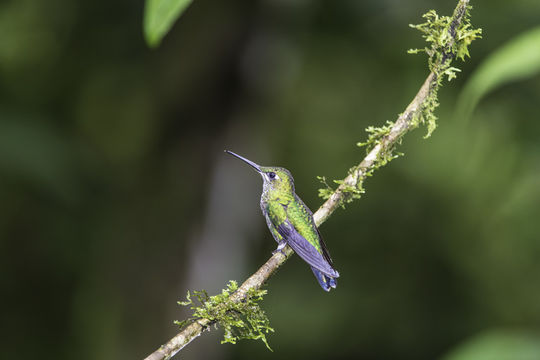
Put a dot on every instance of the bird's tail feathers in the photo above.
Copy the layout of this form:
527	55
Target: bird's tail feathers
325	281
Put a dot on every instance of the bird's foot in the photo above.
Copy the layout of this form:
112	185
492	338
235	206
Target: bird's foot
280	247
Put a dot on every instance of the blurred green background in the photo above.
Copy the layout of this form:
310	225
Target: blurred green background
116	197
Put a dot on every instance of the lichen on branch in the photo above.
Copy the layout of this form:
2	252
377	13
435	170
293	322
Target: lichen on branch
239	320
447	39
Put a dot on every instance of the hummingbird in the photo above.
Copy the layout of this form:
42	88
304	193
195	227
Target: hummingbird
291	222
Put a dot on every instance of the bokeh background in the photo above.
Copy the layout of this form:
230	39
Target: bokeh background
116	196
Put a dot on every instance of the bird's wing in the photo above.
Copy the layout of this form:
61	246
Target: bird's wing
284	221
317	240
305	250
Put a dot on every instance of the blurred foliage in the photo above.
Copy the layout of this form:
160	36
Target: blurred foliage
111	168
501	345
516	60
159	17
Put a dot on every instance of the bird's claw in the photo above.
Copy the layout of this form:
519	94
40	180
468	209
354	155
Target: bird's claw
280	247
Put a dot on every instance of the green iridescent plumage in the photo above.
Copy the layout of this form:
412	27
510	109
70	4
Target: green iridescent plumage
291	222
281	208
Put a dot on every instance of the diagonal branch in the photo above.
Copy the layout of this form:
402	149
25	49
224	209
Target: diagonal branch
405	122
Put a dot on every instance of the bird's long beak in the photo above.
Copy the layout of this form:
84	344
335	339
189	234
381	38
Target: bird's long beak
255	166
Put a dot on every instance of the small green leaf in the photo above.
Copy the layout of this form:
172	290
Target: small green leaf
159	17
516	60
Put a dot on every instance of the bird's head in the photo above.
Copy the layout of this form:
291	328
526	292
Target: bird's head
274	178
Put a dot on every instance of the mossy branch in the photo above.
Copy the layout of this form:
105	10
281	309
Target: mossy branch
449	38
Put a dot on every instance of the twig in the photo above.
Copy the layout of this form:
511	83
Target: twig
355	179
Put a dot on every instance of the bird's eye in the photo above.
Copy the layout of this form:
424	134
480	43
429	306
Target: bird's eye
272	175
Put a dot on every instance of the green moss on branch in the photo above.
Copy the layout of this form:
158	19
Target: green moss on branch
239	320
